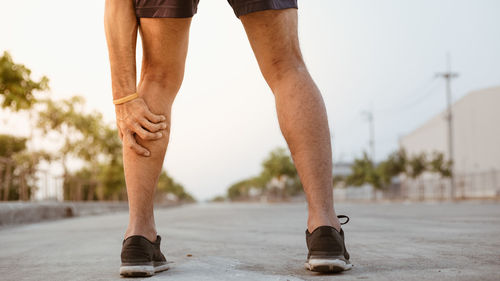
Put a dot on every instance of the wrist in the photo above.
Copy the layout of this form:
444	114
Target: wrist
127	107
125	99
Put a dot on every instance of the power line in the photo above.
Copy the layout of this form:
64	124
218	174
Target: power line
427	92
422	93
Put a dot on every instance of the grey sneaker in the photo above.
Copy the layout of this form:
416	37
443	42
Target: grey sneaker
327	252
141	257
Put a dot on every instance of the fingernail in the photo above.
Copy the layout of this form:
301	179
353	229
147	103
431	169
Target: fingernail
163	126
163	117
160	134
146	153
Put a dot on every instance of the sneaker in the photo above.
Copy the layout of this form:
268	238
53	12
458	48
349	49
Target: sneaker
141	257
327	252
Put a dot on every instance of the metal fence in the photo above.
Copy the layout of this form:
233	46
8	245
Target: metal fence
467	186
482	185
28	184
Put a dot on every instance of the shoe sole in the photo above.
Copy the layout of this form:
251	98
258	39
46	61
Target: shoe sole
327	265
141	270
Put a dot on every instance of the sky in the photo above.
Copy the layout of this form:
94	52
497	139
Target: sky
378	56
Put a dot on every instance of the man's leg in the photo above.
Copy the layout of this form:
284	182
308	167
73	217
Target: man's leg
165	42
301	111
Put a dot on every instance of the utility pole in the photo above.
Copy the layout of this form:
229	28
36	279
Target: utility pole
369	117
448	76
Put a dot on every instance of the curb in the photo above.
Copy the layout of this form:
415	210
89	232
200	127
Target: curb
12	213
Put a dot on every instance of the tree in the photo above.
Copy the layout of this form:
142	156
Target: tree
83	135
17	90
9	146
394	165
440	166
417	165
26	168
240	189
16	86
363	171
111	181
218	198
87	137
380	176
59	117
18	168
279	165
339	180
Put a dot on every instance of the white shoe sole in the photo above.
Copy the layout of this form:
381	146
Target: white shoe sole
161	268
141	270
327	265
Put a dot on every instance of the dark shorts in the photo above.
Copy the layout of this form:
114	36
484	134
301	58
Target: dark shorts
187	8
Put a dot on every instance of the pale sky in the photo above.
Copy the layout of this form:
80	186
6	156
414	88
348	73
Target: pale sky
362	54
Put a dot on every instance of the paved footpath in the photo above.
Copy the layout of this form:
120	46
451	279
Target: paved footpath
266	242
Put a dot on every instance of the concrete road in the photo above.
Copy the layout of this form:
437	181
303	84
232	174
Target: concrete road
266	242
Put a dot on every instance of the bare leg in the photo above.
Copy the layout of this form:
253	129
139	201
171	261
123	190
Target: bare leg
165	43
301	111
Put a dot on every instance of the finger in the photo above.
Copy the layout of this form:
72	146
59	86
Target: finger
145	135
152	127
132	144
154	117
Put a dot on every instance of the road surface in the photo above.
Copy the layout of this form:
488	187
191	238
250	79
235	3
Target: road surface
396	241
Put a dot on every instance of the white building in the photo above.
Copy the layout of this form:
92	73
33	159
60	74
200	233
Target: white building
476	140
476	125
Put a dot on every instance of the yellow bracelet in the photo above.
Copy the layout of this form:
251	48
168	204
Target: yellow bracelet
126	98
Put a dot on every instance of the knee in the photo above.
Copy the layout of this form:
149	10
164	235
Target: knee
168	78
279	68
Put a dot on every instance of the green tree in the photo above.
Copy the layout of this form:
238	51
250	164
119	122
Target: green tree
440	166
10	145
111	181
363	171
240	189
394	165
279	163
417	165
18	168
339	180
87	137
59	117
17	92
218	198
276	165
16	86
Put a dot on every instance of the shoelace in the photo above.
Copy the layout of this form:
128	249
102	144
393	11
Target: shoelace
343	217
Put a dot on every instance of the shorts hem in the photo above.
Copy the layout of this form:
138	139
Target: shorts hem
262	5
164	12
